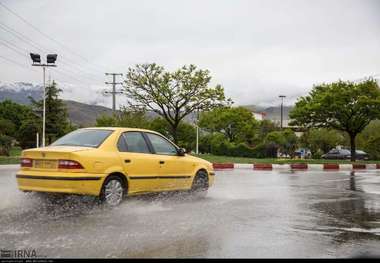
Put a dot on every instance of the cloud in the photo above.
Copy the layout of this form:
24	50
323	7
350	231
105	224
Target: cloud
255	49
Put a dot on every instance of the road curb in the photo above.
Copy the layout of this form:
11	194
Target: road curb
9	166
296	166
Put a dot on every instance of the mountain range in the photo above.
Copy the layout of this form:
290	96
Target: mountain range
85	114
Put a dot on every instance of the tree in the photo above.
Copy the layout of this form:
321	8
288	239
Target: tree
290	142
125	118
321	140
7	127
133	118
236	123
370	132
106	121
273	143
372	147
185	136
344	106
172	95
57	123
26	134
5	144
14	112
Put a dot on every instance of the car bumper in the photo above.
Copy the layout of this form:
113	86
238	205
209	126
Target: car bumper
78	183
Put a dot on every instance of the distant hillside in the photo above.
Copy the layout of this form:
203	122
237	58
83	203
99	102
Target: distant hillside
83	114
271	113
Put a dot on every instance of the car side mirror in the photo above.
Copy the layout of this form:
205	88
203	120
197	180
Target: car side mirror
181	152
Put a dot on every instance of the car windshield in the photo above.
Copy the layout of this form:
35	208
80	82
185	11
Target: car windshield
84	137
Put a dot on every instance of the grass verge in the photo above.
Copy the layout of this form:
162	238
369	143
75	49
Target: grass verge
229	159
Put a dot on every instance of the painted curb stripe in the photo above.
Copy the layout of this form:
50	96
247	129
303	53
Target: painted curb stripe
358	166
223	165
330	166
298	166
262	166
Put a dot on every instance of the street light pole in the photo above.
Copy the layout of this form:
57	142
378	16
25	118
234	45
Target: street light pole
197	143
44	109
282	108
50	60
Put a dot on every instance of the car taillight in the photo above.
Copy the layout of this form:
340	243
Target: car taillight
26	162
69	164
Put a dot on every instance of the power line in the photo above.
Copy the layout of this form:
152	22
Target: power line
31	42
61	71
44	34
37	46
13	62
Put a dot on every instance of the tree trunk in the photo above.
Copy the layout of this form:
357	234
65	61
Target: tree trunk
353	147
174	134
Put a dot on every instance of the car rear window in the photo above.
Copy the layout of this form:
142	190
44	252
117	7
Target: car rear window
84	137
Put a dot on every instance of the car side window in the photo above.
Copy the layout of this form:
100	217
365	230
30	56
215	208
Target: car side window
133	142
161	145
122	144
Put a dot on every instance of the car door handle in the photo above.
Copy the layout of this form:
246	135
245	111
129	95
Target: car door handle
127	161
162	162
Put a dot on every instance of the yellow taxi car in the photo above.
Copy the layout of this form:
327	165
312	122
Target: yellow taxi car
112	163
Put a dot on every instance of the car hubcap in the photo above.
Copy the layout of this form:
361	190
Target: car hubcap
113	192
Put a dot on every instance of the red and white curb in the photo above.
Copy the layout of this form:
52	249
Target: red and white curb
296	166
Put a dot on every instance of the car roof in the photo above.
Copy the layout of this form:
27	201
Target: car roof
119	129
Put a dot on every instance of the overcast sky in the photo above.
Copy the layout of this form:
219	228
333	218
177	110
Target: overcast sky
255	49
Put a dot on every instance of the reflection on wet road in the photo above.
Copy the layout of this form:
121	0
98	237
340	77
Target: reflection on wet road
246	214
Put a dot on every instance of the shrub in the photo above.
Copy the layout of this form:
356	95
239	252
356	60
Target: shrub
5	144
373	148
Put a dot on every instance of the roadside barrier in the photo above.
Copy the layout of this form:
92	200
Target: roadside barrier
223	165
330	166
358	166
262	166
298	166
295	166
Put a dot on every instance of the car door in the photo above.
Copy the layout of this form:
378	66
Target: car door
140	164
333	154
175	170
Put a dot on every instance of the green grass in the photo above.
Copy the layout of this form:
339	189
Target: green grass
15	151
229	159
9	160
14	157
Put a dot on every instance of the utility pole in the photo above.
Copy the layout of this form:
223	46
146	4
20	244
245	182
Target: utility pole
114	92
282	110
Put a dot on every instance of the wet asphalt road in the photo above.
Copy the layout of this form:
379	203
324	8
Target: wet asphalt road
246	214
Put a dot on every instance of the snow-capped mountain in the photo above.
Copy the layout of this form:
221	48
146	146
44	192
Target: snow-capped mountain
20	92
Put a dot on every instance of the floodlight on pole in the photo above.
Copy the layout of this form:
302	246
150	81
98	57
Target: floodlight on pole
50	60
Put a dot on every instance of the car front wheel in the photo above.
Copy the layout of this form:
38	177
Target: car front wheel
200	184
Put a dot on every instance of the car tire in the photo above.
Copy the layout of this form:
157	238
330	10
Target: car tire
200	185
113	191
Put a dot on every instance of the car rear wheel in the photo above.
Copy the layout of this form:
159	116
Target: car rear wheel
200	184
112	191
